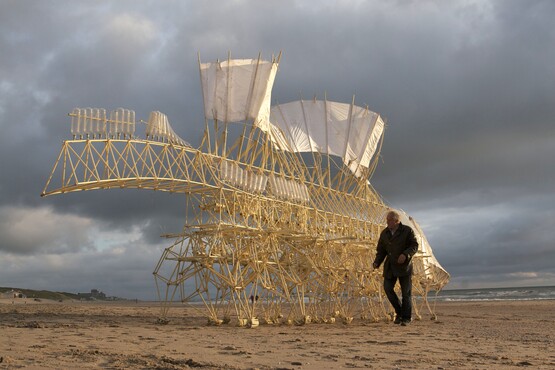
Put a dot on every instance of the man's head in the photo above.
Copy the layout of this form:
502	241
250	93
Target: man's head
392	218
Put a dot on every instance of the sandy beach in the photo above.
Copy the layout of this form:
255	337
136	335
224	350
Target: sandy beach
127	335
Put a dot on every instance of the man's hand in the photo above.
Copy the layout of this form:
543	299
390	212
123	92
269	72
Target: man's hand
402	258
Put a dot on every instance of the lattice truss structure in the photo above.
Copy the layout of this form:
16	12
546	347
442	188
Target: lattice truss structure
281	219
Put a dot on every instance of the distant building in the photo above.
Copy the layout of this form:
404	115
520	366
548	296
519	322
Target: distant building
92	296
13	294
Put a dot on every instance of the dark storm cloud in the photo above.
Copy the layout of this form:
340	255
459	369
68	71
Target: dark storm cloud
467	89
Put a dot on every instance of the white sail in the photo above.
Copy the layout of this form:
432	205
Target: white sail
340	129
238	90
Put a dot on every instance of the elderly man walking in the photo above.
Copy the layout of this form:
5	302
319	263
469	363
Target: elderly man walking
397	245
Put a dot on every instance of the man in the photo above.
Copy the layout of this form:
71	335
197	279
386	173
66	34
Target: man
397	245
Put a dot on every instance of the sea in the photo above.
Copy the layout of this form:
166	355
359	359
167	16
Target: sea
537	293
498	294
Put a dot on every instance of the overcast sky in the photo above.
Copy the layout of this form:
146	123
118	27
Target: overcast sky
467	87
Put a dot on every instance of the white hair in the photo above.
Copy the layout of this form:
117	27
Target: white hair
394	215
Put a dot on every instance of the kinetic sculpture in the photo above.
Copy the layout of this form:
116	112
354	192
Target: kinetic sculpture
282	221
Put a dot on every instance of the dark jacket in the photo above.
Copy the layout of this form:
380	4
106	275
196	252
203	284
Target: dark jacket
390	247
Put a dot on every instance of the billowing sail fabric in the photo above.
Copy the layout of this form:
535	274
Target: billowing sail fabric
340	129
158	127
430	265
238	90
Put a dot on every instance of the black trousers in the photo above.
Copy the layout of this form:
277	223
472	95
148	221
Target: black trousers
403	308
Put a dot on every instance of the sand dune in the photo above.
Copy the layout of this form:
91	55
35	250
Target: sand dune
126	335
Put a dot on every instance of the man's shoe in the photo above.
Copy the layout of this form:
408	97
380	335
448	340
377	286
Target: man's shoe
405	322
398	320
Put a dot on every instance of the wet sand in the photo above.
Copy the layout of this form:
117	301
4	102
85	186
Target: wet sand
127	335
